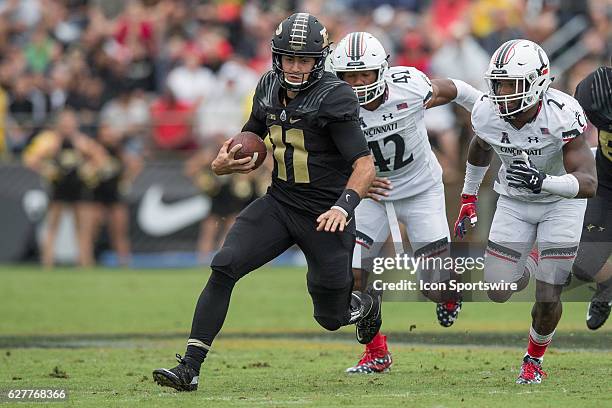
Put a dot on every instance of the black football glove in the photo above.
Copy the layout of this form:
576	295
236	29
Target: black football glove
524	174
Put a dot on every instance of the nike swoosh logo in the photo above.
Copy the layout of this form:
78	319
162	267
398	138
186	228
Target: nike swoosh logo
157	218
521	64
292	121
588	316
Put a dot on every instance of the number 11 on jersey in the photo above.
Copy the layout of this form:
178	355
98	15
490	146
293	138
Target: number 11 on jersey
295	137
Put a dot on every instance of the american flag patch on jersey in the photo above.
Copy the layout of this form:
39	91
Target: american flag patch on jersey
402	106
545	131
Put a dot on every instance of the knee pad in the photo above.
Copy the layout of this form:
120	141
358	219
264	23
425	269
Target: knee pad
223	261
328	322
331	306
222	279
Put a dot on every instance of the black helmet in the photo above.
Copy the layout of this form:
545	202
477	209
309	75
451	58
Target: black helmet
300	35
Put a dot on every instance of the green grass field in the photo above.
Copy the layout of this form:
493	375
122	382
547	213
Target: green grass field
99	333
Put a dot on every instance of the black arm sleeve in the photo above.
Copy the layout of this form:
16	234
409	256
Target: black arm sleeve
256	126
349	139
339	114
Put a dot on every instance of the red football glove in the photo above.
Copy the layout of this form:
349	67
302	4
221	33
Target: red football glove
467	211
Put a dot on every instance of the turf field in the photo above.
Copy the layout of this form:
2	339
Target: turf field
98	333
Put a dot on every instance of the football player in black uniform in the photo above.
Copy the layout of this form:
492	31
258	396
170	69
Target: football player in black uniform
322	168
593	262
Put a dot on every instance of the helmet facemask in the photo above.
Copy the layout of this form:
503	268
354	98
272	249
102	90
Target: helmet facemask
367	93
313	75
524	97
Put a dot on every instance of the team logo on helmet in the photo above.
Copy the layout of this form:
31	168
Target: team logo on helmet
325	36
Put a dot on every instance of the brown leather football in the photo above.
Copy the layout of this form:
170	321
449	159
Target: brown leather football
252	146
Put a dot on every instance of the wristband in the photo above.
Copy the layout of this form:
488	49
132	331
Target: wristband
348	201
565	186
473	177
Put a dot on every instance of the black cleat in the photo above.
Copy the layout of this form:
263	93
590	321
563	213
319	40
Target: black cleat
181	378
371	318
598	313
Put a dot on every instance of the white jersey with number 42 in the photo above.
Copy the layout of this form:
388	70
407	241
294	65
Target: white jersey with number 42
397	137
559	120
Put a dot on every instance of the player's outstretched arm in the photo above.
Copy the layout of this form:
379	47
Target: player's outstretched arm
448	90
479	158
225	163
357	187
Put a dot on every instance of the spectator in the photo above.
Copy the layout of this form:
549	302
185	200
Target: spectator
218	116
503	30
40	50
128	114
190	82
87	99
172	123
21	109
461	57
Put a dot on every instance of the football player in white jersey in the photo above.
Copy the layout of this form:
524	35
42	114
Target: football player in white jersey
409	185
547	171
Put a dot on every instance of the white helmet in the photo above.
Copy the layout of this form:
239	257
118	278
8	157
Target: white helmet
525	62
361	51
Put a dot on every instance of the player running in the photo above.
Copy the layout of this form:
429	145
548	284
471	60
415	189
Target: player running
547	170
593	261
322	169
393	102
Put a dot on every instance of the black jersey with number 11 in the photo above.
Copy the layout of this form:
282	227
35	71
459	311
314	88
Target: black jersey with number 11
316	138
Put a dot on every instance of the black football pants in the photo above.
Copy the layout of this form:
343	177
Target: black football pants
262	231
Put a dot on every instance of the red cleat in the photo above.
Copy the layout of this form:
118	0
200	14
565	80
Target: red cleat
375	359
531	371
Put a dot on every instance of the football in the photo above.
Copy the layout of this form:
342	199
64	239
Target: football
252	146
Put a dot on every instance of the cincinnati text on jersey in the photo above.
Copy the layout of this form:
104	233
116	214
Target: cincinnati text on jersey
513	151
380	129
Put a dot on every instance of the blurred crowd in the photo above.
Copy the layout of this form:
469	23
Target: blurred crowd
158	78
178	74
